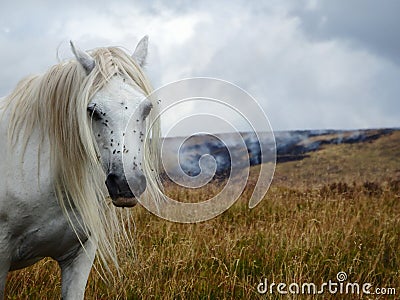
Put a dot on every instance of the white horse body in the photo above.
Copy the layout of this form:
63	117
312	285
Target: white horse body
33	224
30	206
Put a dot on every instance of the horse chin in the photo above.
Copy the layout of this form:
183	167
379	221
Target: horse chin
124	202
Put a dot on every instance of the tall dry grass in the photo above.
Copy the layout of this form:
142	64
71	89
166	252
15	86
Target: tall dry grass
293	236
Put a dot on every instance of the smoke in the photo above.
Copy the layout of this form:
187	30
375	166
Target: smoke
290	146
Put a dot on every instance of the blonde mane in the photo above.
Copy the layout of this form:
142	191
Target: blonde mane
55	104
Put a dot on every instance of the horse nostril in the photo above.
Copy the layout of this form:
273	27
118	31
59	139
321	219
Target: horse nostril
119	187
112	184
142	183
138	184
111	178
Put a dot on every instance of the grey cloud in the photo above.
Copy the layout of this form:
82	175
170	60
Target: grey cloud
300	82
364	23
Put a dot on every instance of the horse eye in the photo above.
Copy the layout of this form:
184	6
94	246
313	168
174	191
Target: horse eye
94	114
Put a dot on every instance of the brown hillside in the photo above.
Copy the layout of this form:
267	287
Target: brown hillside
373	161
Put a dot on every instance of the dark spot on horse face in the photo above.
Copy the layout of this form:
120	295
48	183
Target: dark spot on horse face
3	217
146	109
114	151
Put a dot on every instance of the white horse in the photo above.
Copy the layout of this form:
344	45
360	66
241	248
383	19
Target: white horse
61	137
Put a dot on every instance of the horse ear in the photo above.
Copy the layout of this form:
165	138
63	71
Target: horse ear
140	53
86	61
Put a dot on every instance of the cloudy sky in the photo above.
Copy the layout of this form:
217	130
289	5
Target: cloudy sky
310	64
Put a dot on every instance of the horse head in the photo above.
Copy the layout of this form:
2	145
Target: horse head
118	113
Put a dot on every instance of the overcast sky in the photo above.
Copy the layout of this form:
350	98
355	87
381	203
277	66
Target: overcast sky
310	64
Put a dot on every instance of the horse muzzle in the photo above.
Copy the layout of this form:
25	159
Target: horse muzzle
120	191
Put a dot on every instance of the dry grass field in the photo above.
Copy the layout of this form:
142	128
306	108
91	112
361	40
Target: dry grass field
337	210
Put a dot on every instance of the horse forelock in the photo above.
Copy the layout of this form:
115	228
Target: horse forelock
55	103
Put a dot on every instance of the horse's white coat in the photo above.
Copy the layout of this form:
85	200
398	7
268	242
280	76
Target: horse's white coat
32	224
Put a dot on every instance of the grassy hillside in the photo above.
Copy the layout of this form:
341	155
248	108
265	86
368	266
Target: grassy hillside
377	161
336	210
